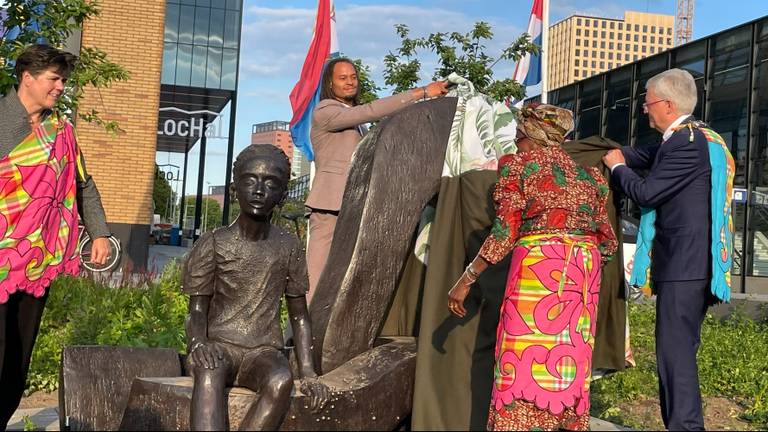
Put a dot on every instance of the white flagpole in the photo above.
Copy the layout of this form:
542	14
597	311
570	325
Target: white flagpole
544	49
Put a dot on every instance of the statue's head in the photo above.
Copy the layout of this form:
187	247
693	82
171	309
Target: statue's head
261	173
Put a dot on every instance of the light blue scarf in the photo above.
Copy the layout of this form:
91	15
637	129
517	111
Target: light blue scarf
723	170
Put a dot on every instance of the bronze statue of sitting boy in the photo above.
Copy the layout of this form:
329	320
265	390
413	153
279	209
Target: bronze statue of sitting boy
236	277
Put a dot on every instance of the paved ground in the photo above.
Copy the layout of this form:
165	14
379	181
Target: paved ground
48	419
160	255
43	418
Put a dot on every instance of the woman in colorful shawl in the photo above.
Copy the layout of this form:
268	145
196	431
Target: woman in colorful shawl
551	216
42	184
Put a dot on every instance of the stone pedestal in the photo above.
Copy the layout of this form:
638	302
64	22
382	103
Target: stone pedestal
373	391
95	381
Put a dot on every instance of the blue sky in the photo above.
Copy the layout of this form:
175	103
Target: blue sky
276	35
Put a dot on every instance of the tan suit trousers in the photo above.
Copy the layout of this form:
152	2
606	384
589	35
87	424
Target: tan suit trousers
321	227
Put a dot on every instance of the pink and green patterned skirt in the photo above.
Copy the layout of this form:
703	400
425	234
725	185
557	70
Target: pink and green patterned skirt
546	335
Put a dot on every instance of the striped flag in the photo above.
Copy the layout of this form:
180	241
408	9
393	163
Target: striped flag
528	69
306	93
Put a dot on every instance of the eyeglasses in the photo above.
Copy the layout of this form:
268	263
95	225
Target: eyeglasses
646	104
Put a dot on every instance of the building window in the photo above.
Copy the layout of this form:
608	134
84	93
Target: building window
578	32
576	62
594	23
578	42
578	52
610	56
602	65
637	38
661	30
653	29
594	33
584	63
621	26
634	57
653	39
619	35
645	29
653	50
584	73
669	41
619	46
610	45
586	53
610	65
594	44
594	64
594	54
669	31
612	36
578	21
602	54
612	25
634	48
575	72
626	57
602	34
644	49
602	24
645	39
602	44
637	28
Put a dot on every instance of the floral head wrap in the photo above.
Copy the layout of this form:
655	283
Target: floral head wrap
547	125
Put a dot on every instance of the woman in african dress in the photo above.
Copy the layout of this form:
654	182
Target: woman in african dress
550	215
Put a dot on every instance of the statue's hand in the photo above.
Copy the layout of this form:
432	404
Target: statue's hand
207	355
318	393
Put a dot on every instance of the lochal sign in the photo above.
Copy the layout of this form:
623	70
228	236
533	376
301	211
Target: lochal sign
195	125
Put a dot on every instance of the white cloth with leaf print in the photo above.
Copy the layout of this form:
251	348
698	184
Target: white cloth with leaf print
483	131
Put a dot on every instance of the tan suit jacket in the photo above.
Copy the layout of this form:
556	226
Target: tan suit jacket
335	133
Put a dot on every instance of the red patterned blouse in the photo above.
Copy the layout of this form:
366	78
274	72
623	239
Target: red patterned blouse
545	192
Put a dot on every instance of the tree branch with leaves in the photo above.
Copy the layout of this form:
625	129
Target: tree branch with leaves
462	53
30	22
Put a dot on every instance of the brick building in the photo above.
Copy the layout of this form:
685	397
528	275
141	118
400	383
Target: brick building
166	107
278	134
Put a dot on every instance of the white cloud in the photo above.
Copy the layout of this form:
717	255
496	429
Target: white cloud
275	40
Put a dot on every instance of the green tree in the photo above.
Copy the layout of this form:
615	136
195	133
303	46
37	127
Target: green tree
463	53
210	213
368	88
53	21
162	194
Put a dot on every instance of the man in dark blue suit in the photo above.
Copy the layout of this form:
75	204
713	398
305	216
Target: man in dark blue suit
677	186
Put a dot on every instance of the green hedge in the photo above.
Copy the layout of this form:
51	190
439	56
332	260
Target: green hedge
81	311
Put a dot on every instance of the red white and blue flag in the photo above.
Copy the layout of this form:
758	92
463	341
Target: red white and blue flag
306	93
528	69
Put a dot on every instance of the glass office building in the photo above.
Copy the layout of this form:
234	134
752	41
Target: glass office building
201	48
731	72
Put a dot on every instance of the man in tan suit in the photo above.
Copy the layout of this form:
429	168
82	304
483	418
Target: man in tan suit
337	127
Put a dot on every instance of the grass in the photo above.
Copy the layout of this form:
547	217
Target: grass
732	364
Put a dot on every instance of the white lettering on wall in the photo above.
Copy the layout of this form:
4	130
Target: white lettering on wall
195	126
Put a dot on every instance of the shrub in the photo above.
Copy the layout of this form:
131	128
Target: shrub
81	311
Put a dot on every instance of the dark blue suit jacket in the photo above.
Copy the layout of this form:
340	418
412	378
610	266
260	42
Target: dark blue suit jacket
678	187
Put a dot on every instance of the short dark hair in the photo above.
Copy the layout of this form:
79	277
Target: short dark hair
39	58
265	151
325	90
